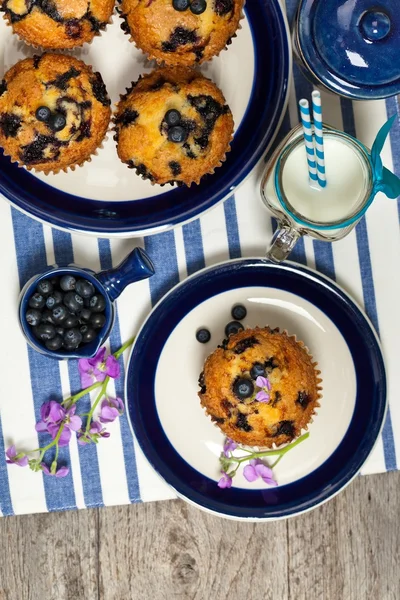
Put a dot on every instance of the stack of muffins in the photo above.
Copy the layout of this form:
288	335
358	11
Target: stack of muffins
171	126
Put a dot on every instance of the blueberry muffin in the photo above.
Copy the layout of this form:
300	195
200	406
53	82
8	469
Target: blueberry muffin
54	112
173	126
57	23
181	32
260	387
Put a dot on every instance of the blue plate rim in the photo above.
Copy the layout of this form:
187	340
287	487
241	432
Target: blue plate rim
102	225
345	298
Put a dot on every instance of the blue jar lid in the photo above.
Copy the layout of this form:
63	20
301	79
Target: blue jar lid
352	46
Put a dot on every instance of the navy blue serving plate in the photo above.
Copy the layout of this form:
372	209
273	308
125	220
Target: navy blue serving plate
352	450
148	215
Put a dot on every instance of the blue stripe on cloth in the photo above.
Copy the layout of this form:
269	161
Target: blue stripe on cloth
194	250
44	372
162	251
232	228
393	107
88	458
5	496
126	435
368	288
324	258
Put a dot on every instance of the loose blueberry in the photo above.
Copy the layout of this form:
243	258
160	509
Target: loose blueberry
172	117
44	287
84	288
177	134
97	320
233	327
198	6
45	331
59	314
33	316
85	314
73	301
43	114
55	299
37	301
257	370
203	336
57	122
55	343
239	312
67	283
243	388
72	337
97	303
180	5
88	334
71	321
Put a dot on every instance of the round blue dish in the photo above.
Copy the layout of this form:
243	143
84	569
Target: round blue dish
360	430
265	109
351	47
110	284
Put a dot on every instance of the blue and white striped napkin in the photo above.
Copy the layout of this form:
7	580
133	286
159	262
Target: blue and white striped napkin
366	264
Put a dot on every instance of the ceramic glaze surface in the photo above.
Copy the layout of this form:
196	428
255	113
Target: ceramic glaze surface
352	46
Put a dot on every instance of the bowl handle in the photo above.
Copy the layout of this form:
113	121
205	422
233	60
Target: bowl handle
136	266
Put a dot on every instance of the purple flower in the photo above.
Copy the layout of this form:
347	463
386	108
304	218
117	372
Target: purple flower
97	368
262	396
62	471
265	385
16	459
96	431
257	469
53	416
111	408
229	447
225	481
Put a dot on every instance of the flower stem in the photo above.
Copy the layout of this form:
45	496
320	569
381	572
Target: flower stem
95	403
73	399
278	452
127	344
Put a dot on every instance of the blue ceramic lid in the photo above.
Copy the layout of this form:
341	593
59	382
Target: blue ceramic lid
352	46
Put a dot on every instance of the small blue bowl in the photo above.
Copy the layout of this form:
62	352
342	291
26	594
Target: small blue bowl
135	267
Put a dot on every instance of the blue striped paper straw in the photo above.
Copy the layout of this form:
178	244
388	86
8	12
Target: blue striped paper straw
319	139
309	141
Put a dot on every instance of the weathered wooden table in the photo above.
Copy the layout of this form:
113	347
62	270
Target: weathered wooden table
348	549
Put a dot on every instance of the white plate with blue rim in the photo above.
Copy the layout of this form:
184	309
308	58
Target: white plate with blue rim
179	439
104	197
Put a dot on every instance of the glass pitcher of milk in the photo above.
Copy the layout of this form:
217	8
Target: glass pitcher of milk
329	213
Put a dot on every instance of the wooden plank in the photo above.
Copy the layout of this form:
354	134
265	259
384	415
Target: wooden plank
171	551
349	549
49	557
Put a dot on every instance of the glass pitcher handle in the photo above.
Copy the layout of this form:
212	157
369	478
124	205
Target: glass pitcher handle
282	243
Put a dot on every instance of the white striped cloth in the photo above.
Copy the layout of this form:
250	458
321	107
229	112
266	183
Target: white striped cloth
366	264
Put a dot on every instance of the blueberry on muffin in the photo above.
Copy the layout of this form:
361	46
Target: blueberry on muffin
181	32
173	126
261	387
54	112
55	24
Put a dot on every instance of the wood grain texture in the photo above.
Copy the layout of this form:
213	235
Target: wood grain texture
348	549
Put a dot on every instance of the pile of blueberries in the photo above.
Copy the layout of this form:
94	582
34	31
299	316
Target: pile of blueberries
65	312
56	121
238	313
